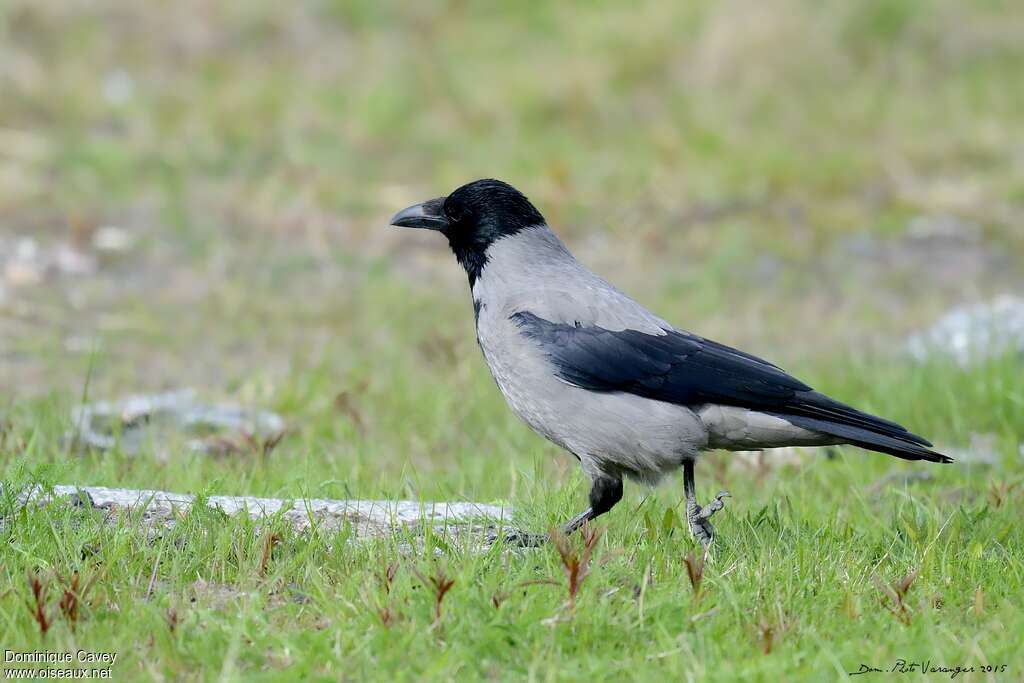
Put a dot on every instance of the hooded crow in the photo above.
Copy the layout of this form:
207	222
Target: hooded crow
598	374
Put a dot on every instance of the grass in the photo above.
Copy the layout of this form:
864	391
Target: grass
749	173
794	588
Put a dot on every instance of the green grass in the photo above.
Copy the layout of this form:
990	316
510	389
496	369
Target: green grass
748	172
801	554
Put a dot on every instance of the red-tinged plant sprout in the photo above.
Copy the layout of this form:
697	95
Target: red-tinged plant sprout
1000	492
70	600
695	570
387	577
770	631
37	604
440	584
894	597
266	445
269	541
766	634
576	567
345	402
171	617
72	594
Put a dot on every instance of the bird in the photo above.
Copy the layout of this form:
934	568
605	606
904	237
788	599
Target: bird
625	392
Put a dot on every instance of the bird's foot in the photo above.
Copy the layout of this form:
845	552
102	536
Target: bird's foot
516	538
698	518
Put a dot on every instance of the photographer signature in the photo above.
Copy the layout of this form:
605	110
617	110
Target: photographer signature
902	666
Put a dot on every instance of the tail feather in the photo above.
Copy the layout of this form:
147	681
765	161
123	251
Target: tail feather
814	404
902	445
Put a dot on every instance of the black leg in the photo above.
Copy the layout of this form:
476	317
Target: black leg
698	517
605	492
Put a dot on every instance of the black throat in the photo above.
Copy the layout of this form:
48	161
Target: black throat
471	256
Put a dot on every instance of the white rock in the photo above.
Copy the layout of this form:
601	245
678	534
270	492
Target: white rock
972	333
980	451
367	518
118	86
71	261
111	238
26	249
19	273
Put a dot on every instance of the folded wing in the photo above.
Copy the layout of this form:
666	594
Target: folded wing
690	370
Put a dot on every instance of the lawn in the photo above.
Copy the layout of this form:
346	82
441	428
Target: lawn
811	182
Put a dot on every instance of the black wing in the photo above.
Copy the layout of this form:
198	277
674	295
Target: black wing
689	370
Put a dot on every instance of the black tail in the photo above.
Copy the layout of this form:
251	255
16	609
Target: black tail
820	413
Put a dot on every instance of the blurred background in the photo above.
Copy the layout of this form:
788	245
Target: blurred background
196	193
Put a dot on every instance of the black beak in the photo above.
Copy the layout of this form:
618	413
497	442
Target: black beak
428	215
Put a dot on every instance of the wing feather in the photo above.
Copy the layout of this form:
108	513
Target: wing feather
689	370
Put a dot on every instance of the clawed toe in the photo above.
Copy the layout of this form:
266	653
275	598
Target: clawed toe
516	538
698	518
714	506
702	530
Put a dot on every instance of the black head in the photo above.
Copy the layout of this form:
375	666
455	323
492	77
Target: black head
472	218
